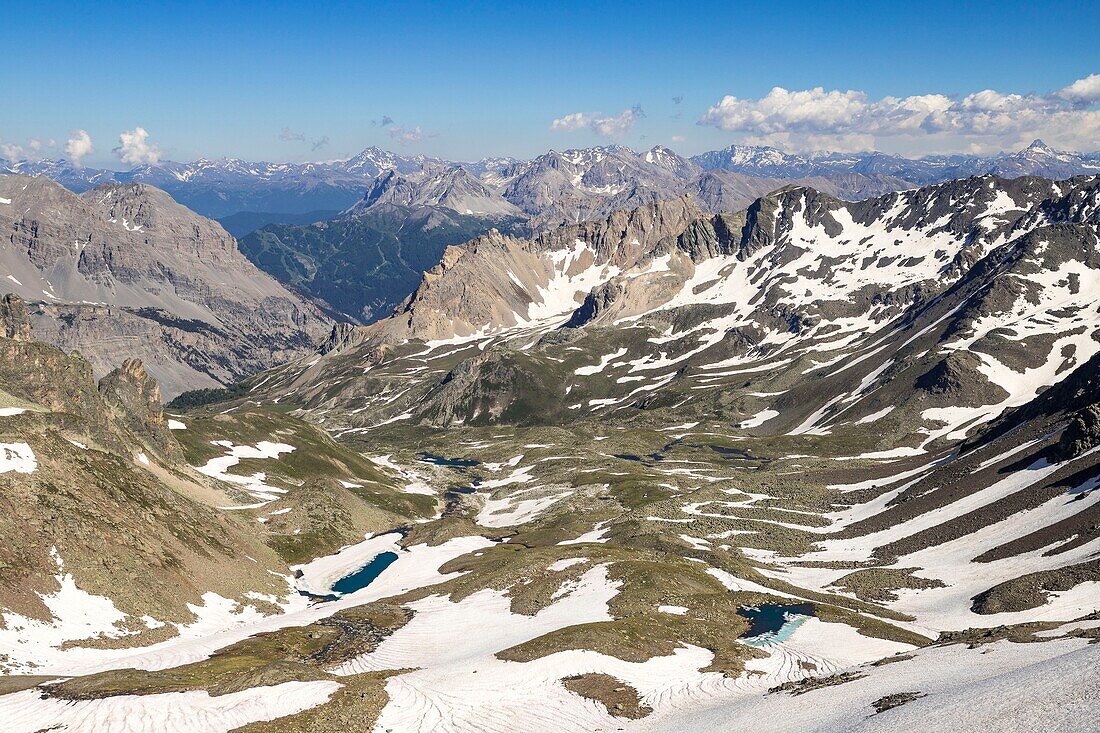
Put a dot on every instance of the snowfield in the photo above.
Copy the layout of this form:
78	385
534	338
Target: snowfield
31	646
1022	687
17	457
254	484
194	712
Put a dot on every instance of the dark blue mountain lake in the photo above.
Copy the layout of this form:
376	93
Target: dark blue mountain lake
365	575
772	623
452	462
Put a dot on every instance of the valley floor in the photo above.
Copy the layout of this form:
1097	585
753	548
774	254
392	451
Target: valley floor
597	579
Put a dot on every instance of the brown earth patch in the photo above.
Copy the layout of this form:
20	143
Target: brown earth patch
619	698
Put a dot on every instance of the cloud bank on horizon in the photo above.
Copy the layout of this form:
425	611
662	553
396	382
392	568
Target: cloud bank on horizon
811	119
851	120
981	122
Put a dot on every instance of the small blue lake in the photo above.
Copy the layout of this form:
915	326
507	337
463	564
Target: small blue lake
450	462
773	623
365	575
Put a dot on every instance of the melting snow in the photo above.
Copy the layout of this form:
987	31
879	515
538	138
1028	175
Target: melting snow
194	711
759	419
218	467
17	457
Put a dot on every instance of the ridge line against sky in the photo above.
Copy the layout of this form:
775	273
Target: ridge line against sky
114	86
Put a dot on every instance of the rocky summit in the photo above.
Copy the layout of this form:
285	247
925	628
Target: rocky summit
558	368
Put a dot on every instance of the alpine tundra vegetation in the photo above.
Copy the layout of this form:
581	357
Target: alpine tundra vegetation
788	434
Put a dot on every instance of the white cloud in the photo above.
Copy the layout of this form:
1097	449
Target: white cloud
844	119
1082	91
79	146
603	125
678	138
134	148
575	121
11	151
33	150
406	136
816	111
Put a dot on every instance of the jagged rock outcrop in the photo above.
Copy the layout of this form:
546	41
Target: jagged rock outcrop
14	318
1082	433
342	334
110	495
596	303
135	397
122	414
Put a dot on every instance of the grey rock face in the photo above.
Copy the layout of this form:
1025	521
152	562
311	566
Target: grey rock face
134	396
450	187
124	271
342	334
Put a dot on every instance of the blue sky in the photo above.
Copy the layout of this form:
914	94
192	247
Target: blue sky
221	79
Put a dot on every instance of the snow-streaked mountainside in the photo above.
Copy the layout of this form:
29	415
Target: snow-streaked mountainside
797	267
830	464
124	271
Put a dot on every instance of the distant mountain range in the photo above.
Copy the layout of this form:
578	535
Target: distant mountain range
553	188
1037	159
229	186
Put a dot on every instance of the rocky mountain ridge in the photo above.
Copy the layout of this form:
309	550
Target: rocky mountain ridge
795	274
124	271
